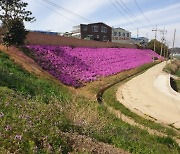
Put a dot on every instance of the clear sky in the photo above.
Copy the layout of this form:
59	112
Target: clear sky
116	13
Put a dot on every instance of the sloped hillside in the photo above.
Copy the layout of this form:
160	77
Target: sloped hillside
32	114
40	115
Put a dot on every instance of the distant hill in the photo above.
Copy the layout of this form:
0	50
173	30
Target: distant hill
175	50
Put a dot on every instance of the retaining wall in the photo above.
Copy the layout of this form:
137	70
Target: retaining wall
48	39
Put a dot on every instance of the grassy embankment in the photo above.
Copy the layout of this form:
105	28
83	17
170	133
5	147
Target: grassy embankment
35	112
174	69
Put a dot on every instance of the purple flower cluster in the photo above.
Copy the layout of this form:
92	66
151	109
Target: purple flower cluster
75	66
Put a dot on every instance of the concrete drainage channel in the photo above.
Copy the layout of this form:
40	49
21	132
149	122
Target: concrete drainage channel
101	92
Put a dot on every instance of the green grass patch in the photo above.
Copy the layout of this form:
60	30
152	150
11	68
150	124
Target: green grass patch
178	85
31	127
42	90
178	73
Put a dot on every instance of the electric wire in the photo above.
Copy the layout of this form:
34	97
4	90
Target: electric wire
60	7
131	15
142	12
57	12
128	11
132	23
122	14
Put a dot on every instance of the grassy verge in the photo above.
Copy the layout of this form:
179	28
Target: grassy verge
174	69
34	112
132	138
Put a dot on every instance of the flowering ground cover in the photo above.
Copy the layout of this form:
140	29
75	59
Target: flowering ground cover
75	66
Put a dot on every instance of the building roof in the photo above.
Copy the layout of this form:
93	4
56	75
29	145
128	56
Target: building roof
97	23
139	38
121	29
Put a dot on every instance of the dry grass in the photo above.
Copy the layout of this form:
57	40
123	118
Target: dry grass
172	67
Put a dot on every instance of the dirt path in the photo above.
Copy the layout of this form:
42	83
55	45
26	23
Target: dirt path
150	94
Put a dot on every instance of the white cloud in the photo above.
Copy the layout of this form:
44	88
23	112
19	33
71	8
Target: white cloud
84	8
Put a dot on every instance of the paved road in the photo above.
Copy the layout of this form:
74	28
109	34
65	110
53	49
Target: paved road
150	94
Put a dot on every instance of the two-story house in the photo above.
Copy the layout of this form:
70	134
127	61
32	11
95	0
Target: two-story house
95	31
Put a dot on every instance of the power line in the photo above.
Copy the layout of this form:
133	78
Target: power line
121	13
142	12
126	11
57	12
130	12
58	6
132	23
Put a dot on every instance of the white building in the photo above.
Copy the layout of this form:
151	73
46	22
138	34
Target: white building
76	32
140	40
120	35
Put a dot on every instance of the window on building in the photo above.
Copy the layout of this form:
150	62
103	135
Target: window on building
115	33
95	28
119	33
97	36
104	38
85	28
127	34
104	29
124	35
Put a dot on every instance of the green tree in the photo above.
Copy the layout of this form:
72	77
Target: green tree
15	34
12	15
158	46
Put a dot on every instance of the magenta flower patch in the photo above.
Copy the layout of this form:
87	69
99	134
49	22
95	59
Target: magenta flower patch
75	66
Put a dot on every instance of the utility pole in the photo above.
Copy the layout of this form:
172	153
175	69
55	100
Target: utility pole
163	32
173	42
155	41
167	50
137	32
164	51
